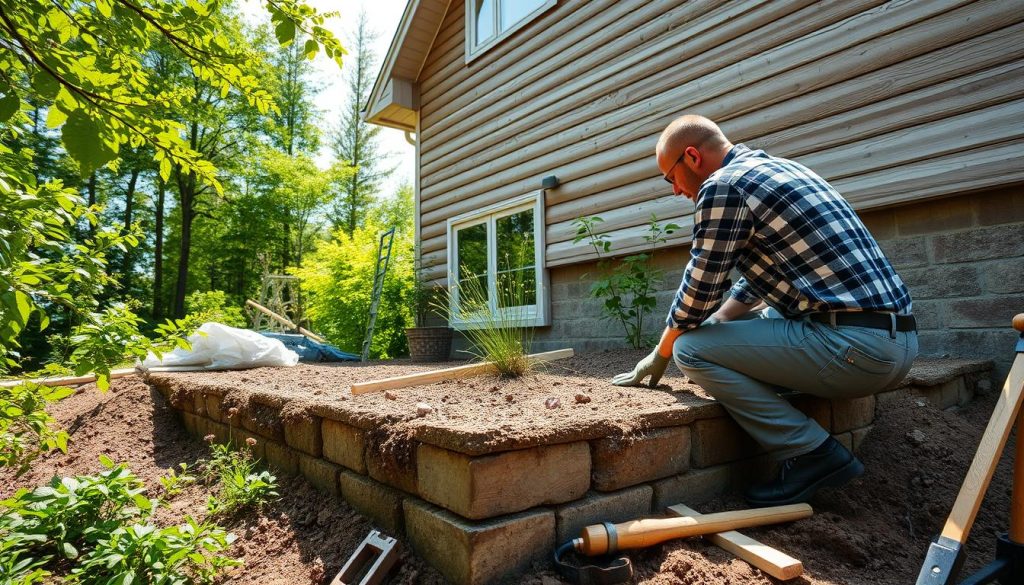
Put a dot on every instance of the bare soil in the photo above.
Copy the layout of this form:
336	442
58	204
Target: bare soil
873	531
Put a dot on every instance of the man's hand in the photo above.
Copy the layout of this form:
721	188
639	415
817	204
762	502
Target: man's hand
653	365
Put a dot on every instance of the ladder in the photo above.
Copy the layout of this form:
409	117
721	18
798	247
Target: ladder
383	257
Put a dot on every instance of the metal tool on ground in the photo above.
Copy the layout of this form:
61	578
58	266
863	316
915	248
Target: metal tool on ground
383	257
946	554
607	538
456	372
284	321
370	564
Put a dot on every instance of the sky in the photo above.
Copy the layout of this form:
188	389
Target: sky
383	17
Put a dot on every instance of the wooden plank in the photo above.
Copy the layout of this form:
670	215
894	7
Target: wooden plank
285	321
457	372
706	95
979	475
69	380
774	562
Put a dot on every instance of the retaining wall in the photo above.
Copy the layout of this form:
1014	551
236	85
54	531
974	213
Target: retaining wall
481	515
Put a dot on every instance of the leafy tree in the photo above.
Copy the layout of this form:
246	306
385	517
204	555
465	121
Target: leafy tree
338	279
356	141
81	62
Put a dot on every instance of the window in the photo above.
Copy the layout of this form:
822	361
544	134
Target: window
489	21
496	258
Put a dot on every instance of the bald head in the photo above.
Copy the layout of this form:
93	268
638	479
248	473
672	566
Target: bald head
691	130
689	151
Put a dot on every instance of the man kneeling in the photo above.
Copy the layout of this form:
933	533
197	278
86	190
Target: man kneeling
838	322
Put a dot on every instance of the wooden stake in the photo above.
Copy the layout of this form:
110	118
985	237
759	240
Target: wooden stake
965	508
467	371
776	563
69	380
285	321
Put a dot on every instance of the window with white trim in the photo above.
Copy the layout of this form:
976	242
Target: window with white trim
496	257
489	21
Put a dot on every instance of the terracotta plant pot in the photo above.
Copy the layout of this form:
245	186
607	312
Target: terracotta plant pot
429	344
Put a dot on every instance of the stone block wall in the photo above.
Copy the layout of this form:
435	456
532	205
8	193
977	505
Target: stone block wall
962	258
483	518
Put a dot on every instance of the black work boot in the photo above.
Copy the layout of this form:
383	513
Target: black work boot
828	465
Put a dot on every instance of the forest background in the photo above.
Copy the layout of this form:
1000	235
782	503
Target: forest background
291	193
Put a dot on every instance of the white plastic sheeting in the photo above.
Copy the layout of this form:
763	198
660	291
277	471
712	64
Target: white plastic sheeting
219	347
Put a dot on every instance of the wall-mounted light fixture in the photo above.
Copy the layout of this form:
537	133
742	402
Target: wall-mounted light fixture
549	182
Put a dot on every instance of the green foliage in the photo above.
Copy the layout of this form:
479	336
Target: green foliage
174	482
144	553
338	279
240	485
627	287
212	306
83	62
99	524
26	429
496	336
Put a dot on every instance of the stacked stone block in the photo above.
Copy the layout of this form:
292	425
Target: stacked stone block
481	517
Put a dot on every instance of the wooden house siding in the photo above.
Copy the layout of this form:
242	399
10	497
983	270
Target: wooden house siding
890	101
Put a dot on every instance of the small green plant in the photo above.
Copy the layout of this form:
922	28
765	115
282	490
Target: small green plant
144	553
26	429
627	287
240	485
174	482
497	329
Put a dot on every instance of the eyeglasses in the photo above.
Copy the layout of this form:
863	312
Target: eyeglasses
670	181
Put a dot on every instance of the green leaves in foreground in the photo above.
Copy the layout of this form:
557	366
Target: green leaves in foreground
100	525
26	429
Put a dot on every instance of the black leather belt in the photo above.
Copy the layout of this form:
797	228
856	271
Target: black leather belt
867	319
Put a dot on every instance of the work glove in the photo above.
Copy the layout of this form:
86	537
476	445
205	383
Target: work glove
653	365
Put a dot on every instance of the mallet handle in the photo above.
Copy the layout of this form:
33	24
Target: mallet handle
651	531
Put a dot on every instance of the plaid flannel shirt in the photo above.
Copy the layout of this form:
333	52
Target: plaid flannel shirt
796	242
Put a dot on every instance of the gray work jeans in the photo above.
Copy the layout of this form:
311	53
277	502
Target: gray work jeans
743	364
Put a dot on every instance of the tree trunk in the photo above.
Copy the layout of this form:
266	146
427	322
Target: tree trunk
129	208
158	251
186	190
92	201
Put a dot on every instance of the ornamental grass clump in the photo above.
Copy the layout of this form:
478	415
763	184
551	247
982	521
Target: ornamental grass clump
498	330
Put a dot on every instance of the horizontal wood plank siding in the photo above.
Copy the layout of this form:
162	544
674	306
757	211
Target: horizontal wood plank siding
890	101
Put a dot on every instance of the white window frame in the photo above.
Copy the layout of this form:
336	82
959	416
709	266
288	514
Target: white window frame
538	315
472	50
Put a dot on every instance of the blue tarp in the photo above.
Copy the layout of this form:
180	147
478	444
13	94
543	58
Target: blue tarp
309	350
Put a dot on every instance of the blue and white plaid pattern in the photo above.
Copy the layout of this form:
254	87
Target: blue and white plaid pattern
796	242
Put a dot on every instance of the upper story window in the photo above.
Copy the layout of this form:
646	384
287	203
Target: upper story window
496	256
489	21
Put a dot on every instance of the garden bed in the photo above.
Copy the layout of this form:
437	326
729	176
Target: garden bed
484	476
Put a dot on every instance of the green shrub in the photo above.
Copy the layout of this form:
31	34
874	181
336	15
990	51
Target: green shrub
144	553
99	526
627	286
338	280
240	485
26	429
212	305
